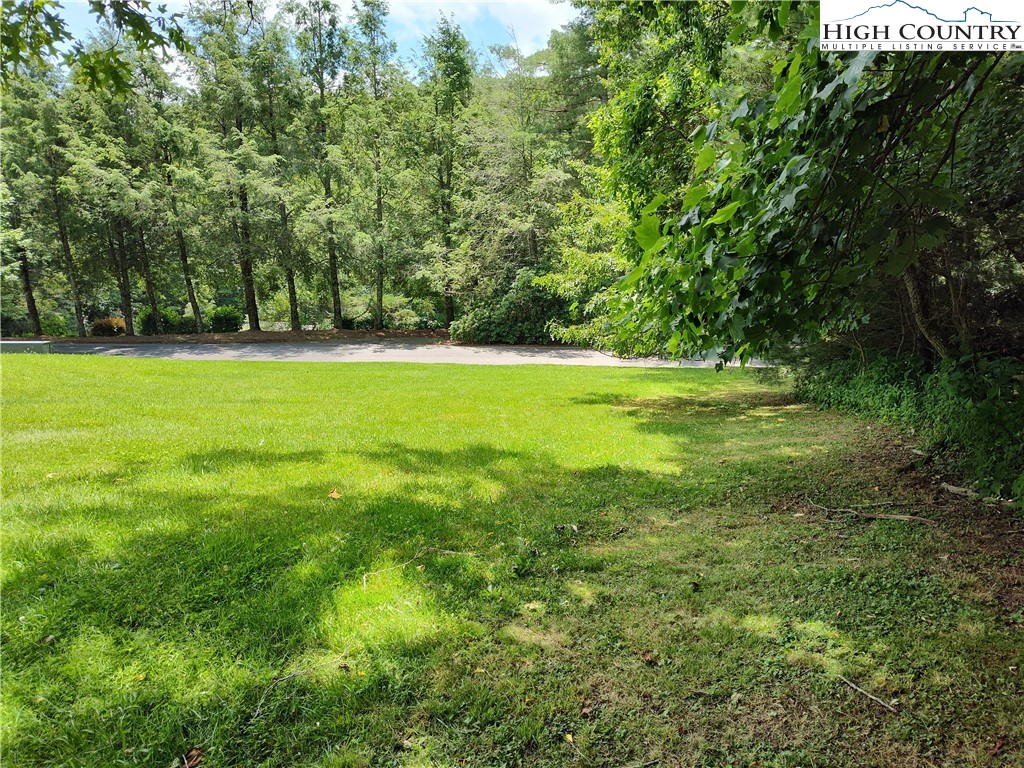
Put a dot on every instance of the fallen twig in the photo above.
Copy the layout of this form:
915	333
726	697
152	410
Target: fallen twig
967	493
894	504
413	559
853	510
874	698
298	673
905	518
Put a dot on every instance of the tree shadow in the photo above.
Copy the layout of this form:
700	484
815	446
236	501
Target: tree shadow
245	580
230	458
276	626
672	408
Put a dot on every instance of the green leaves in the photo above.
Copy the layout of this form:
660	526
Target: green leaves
790	220
694	195
704	159
33	31
648	232
725	214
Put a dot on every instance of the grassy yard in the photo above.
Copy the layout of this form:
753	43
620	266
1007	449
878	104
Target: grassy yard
523	566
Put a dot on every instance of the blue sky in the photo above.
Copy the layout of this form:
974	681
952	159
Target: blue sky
484	22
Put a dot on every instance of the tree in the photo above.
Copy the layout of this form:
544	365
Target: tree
12	240
323	47
449	83
375	66
277	97
226	97
37	167
802	209
33	30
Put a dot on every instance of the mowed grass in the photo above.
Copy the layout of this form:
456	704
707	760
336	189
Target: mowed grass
525	566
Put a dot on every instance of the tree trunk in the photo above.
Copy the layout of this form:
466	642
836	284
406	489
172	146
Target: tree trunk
332	260
449	305
26	286
179	235
293	301
445	183
147	276
378	320
378	315
124	283
920	314
245	245
245	262
69	266
69	263
123	287
187	272
289	271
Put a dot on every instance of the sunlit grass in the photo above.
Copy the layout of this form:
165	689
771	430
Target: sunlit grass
515	555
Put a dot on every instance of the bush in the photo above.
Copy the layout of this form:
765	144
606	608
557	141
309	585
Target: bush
54	324
226	320
972	410
400	313
520	316
170	320
187	324
12	327
108	326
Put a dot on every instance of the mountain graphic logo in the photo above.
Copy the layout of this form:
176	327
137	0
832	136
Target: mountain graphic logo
985	16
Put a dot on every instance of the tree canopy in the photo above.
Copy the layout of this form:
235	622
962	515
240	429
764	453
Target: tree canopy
676	178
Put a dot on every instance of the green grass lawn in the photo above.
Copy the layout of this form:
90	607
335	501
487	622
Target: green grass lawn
525	566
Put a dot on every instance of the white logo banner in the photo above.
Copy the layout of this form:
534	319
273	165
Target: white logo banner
922	25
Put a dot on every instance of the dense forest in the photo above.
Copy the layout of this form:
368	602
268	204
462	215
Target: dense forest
296	173
664	178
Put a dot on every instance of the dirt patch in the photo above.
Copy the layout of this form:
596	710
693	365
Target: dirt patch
548	641
984	538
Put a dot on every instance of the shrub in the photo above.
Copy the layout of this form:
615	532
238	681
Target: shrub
187	324
170	320
972	410
520	316
12	327
400	313
54	324
226	320
108	326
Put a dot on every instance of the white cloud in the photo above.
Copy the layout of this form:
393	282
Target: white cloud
531	20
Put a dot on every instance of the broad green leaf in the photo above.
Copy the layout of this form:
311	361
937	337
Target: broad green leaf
725	214
654	205
648	231
699	136
633	277
704	159
694	196
789	94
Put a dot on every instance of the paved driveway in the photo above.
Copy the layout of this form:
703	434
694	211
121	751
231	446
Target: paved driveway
360	351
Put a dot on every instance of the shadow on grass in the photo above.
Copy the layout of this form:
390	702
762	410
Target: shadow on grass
181	633
725	402
273	628
229	458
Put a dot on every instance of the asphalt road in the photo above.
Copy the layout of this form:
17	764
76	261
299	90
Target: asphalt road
360	351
